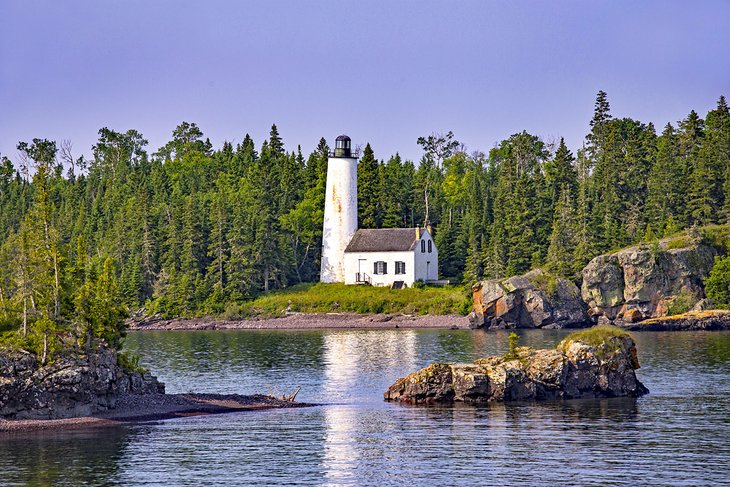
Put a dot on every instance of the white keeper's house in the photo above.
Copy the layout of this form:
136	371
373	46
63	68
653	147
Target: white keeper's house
394	257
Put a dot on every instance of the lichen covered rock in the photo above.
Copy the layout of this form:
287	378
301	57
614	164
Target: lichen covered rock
533	300
72	386
599	362
642	282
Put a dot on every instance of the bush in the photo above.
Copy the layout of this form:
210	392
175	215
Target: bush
234	311
681	303
130	362
512	352
717	284
717	237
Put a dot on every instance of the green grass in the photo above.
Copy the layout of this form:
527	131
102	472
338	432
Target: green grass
679	243
596	335
323	298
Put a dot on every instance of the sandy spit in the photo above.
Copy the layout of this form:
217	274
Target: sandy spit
297	321
153	407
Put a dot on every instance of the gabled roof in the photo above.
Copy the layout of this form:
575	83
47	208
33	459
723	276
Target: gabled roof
384	240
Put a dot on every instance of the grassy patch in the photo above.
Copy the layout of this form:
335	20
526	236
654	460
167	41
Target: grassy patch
323	298
717	236
596	335
679	243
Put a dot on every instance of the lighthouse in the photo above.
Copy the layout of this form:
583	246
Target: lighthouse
340	210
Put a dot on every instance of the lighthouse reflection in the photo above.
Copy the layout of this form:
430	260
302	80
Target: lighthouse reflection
353	361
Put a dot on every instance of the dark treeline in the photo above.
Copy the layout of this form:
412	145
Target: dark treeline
190	229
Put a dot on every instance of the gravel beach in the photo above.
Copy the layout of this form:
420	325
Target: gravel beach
296	321
154	407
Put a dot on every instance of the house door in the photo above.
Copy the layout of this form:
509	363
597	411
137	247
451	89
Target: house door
428	264
360	271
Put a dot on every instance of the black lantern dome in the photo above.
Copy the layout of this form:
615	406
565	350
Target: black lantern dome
343	146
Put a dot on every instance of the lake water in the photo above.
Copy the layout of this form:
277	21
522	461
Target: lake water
679	434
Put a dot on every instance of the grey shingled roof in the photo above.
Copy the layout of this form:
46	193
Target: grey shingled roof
383	240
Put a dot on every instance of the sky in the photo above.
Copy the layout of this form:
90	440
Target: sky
383	72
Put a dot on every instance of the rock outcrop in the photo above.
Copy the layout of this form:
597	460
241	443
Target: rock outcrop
710	320
71	386
534	300
641	282
580	367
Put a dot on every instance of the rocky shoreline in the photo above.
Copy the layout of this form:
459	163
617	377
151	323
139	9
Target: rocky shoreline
644	287
299	321
710	320
100	388
133	408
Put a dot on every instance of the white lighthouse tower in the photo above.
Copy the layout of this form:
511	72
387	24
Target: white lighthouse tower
340	210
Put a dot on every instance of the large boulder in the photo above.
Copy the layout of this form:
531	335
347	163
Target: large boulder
642	282
534	300
71	386
600	362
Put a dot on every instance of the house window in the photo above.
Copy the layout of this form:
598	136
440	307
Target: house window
430	247
423	246
400	267
380	267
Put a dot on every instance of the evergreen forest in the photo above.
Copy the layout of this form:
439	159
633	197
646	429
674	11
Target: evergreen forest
191	229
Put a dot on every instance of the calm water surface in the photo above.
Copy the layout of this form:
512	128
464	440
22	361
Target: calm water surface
677	435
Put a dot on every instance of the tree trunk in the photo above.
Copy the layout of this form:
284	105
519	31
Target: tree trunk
45	348
25	316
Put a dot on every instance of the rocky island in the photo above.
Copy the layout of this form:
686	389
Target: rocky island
594	363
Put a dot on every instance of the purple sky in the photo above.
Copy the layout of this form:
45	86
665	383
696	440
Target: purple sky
383	72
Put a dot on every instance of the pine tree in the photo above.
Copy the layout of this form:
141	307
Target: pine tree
368	190
563	239
663	186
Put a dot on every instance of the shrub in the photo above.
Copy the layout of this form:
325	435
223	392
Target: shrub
681	303
130	362
717	237
234	311
717	284
512	352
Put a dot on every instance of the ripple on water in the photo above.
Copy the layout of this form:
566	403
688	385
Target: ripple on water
677	435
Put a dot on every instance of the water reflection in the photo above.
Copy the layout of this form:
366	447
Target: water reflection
355	361
73	458
675	435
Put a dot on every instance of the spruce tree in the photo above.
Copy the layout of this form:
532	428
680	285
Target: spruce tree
563	238
368	191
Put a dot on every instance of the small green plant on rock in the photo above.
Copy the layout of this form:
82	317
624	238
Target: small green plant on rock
130	362
512	352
